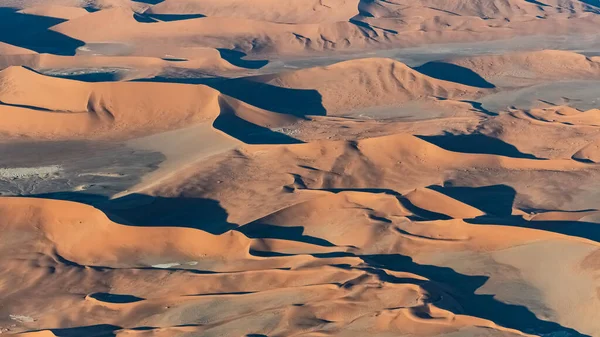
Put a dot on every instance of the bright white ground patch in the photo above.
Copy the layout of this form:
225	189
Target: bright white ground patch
174	264
22	319
28	172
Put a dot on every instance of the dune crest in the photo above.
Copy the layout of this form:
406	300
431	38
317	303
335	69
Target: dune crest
353	85
92	109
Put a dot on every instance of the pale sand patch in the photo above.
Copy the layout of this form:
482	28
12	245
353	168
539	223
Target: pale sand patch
181	148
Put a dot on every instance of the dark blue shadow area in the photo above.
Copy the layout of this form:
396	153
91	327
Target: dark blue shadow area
174	17
463	289
115	298
31	32
479	107
144	210
476	143
247	132
171	59
580	229
149	2
101	330
453	73
296	102
595	4
109	76
237	59
494	200
143	18
541	4
260	230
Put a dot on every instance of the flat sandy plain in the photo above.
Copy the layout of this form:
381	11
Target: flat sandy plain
274	168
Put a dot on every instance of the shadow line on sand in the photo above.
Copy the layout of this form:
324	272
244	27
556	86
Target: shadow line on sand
100	330
579	229
476	144
32	32
454	73
148	211
204	214
449	290
463	289
295	102
232	124
494	200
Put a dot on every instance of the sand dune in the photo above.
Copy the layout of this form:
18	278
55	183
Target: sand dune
293	29
358	84
266	10
44	107
344	165
296	35
7	49
58	12
213	32
92	68
259	168
48	227
38	106
590	152
567	115
488	9
526	68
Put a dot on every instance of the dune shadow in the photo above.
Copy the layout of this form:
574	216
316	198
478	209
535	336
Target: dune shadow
248	132
237	59
580	229
101	76
115	298
24	106
494	200
463	288
453	73
146	211
370	28
295	102
101	330
479	107
259	230
32	32
476	143
174	17
583	160
595	4
541	4
143	18
149	2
